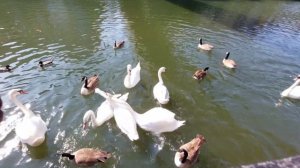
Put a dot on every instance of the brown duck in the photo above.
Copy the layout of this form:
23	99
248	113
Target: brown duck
119	44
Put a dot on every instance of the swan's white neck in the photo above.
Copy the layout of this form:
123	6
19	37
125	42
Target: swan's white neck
159	77
95	122
26	111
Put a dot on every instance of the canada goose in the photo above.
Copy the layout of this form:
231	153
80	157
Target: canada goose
206	47
118	44
5	69
187	154
1	112
293	91
88	156
90	83
45	63
228	62
200	73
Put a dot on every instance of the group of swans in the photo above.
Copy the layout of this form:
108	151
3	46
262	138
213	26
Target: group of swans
156	120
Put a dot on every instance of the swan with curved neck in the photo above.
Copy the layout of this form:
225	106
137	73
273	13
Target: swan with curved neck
31	130
122	115
160	91
133	76
294	90
187	155
104	112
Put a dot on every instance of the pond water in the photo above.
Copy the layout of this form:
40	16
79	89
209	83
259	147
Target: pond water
235	110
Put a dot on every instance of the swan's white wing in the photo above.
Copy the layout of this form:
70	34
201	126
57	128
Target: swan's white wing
161	92
158	120
125	121
295	93
104	112
136	75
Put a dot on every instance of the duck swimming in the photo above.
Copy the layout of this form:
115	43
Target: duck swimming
200	73
7	68
118	45
46	63
206	47
89	85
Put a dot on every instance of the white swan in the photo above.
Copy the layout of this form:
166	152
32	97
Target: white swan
160	91
123	117
31	130
293	91
158	120
104	113
133	76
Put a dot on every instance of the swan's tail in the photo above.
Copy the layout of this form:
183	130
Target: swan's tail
133	137
38	141
180	123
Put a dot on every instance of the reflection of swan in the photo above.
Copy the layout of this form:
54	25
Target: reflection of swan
133	76
160	91
187	154
122	115
104	113
89	84
206	47
31	130
293	91
88	156
157	120
229	63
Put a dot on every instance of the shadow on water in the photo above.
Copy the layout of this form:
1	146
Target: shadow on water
234	20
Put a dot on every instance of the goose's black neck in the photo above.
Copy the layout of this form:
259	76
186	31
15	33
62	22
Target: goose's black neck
85	82
185	155
71	157
227	55
200	41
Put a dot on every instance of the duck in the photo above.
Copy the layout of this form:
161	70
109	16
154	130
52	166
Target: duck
206	47
188	153
118	45
46	63
200	73
229	63
32	129
7	68
133	76
1	112
89	85
104	113
157	120
293	91
160	91
122	115
88	156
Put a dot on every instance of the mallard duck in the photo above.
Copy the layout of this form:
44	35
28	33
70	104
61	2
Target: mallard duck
45	63
119	44
200	73
206	47
188	153
88	156
293	91
5	69
228	62
89	84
